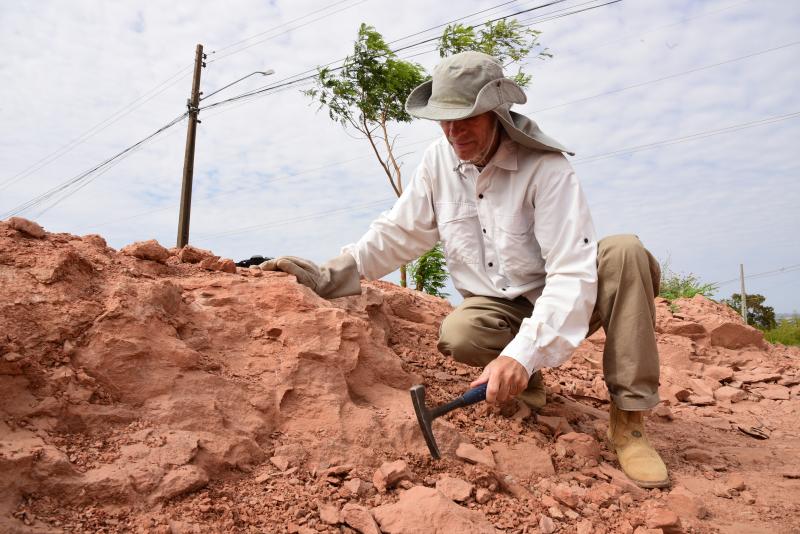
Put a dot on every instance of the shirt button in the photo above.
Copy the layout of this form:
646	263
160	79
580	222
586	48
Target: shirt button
480	196
504	289
484	230
491	264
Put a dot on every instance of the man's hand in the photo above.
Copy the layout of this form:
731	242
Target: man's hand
506	377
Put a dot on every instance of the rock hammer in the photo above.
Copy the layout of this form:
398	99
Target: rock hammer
426	416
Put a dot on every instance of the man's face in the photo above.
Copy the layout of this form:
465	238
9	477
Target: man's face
471	138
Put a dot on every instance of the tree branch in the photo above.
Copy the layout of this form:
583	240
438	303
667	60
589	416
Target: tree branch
378	156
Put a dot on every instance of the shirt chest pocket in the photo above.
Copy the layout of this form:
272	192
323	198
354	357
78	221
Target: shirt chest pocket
459	230
520	253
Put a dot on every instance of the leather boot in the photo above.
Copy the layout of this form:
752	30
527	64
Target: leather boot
535	394
637	457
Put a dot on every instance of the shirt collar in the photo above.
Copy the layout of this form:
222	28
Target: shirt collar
506	155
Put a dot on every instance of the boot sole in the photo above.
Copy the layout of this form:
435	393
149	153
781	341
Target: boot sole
650	485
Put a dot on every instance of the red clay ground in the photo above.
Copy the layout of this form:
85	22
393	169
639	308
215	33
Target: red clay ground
179	394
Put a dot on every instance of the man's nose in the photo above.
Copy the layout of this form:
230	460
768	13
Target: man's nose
454	128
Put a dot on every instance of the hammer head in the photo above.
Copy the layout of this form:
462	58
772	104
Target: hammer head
424	418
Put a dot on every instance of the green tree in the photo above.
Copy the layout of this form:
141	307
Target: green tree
367	94
758	315
507	40
429	272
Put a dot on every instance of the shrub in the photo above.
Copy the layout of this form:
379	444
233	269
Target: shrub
787	332
677	285
429	272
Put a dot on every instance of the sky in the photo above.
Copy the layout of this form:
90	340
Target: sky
684	116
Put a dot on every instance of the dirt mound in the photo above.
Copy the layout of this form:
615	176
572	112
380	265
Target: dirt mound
156	390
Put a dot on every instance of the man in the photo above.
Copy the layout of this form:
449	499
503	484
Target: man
521	249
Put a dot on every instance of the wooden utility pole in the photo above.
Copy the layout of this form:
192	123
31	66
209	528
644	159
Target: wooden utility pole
744	295
188	162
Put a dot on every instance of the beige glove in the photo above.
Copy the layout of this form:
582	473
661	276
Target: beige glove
335	278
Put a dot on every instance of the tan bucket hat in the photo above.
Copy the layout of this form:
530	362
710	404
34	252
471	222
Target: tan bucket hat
471	83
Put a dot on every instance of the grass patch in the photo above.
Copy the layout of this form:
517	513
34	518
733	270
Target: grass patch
787	332
682	285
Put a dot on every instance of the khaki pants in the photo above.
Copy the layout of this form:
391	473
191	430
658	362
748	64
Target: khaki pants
628	279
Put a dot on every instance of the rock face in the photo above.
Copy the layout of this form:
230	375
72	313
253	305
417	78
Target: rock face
148	393
186	374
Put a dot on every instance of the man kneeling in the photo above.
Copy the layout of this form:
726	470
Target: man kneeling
521	248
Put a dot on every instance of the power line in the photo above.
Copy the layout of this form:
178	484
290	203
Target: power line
469	16
279	26
97	128
690	137
286	31
590	159
82	176
299	77
669	77
572	53
283	221
765	274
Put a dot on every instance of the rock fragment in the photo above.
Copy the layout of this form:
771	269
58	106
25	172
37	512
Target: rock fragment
389	474
183	479
359	518
422	509
686	504
27	227
190	254
580	444
664	519
546	525
473	455
525	460
355	486
147	250
281	462
663	412
730	394
227	266
719	373
773	392
555	425
735	482
454	488
328	514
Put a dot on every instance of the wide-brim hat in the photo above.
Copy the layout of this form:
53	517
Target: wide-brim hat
470	83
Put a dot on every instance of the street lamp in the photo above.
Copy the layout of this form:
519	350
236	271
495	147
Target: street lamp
261	72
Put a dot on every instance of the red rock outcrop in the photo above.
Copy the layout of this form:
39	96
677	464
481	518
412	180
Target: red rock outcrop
144	393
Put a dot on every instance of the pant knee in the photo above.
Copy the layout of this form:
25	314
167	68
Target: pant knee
454	340
618	249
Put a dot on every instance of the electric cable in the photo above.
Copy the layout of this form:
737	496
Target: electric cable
765	274
281	222
97	128
690	137
82	176
285	31
669	77
290	80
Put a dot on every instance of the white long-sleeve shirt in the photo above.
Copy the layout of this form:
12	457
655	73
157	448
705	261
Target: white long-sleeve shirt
521	226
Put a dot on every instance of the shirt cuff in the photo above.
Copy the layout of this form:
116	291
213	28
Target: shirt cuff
523	350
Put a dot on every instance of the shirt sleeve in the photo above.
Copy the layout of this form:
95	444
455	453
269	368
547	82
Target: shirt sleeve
564	229
400	235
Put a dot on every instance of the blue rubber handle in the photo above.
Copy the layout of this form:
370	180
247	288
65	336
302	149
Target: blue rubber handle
476	394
